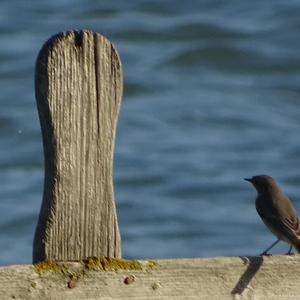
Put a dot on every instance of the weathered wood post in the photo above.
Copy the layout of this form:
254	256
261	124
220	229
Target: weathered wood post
78	92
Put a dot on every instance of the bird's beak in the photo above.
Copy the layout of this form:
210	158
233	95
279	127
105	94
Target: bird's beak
248	179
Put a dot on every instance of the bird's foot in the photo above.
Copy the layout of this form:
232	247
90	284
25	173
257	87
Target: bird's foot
290	252
265	254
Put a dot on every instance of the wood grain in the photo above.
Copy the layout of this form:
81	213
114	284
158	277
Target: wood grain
78	91
266	278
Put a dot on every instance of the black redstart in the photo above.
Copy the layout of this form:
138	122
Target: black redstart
277	212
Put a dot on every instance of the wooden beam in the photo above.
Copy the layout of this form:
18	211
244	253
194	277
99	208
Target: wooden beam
223	278
78	92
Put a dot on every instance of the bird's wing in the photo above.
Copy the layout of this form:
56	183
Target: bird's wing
283	226
292	224
287	228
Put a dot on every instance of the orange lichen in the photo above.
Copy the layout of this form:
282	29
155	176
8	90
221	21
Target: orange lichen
49	266
111	264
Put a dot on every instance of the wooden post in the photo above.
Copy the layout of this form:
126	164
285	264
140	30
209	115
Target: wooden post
78	92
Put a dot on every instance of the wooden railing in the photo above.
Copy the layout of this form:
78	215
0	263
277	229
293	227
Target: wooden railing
77	246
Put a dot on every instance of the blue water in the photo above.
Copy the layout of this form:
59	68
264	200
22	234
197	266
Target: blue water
211	96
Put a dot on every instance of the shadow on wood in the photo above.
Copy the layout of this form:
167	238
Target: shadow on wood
254	263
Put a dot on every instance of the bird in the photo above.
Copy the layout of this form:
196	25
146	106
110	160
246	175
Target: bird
277	212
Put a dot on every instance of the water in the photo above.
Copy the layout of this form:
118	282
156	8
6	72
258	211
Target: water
211	96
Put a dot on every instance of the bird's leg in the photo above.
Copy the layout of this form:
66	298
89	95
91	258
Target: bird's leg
269	248
290	251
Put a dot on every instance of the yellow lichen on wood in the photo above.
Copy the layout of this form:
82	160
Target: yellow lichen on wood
152	264
49	266
93	263
111	264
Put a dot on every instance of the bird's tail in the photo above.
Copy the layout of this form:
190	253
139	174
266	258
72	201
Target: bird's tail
297	246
